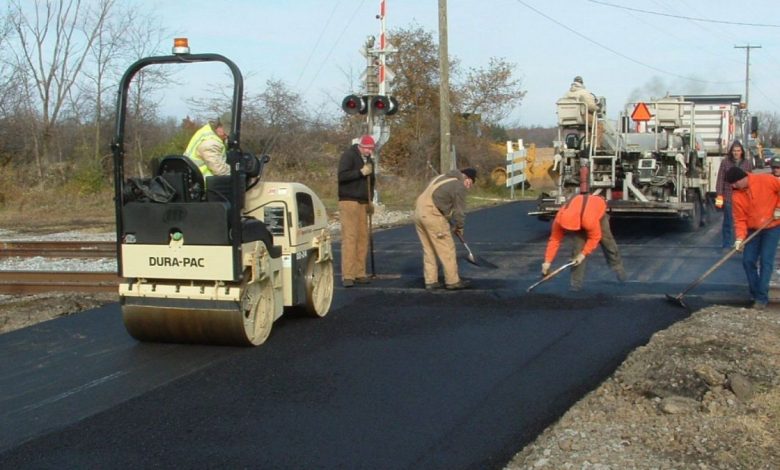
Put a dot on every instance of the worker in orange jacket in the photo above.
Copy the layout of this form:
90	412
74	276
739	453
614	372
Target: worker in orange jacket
756	202
586	216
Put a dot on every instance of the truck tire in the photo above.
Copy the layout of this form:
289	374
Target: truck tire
695	220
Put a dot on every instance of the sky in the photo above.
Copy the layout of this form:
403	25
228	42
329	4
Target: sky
626	51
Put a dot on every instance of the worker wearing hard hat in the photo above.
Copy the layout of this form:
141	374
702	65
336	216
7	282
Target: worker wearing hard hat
207	149
356	178
440	210
585	215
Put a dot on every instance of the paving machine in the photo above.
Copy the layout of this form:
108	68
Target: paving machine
657	172
217	259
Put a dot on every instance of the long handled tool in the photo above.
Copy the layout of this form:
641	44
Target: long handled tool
678	299
471	258
550	276
371	226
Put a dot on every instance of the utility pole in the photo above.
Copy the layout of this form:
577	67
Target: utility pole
745	111
445	163
747	71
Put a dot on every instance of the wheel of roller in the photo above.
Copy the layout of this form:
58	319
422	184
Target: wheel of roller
257	310
319	287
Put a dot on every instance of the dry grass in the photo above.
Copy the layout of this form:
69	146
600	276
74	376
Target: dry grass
33	209
37	210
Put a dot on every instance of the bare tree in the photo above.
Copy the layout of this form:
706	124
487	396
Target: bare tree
490	92
54	39
145	38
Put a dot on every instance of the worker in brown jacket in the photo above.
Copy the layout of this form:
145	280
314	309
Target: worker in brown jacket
585	215
440	210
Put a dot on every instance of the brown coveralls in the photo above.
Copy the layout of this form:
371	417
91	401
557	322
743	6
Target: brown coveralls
433	229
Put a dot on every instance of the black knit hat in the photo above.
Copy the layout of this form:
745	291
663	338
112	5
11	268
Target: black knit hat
470	173
734	174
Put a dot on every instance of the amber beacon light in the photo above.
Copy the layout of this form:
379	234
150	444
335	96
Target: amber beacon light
181	46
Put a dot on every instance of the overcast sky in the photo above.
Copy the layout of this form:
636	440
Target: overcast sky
625	55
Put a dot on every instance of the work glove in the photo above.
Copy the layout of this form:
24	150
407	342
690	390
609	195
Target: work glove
370	209
545	268
777	213
367	169
578	259
719	202
738	245
458	232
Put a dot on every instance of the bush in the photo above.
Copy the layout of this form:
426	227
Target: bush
88	179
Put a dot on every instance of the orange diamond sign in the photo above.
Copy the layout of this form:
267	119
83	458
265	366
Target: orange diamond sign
641	113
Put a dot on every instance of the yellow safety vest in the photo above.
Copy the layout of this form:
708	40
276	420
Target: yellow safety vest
203	134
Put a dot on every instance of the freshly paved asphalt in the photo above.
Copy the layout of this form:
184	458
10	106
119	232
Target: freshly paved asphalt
393	377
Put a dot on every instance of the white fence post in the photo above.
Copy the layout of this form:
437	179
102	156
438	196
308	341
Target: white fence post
515	167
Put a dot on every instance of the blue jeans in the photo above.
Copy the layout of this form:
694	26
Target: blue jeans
758	259
728	226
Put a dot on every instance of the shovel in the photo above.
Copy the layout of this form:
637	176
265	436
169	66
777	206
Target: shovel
549	276
471	258
678	299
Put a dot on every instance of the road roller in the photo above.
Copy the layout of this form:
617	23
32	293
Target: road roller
215	260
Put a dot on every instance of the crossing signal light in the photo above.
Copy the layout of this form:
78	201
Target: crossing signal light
353	104
380	105
384	105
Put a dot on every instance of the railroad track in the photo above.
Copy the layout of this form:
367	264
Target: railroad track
32	282
57	249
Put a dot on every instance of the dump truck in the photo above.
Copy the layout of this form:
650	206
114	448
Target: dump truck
664	166
217	259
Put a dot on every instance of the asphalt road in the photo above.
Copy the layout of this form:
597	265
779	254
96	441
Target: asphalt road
393	377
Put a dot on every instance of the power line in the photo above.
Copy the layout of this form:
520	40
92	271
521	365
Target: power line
620	54
690	18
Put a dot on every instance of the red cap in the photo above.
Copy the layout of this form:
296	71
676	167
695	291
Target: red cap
367	141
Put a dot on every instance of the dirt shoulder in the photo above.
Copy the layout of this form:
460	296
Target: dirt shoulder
704	393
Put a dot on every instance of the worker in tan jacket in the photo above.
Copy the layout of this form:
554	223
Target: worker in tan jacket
439	212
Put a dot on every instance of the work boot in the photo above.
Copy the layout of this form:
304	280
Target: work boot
348	282
759	305
621	274
462	284
362	280
433	286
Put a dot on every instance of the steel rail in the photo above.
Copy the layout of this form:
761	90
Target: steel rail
32	282
57	249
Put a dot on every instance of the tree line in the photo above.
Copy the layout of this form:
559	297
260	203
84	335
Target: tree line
61	61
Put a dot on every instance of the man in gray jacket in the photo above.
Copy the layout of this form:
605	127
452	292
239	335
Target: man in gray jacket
440	210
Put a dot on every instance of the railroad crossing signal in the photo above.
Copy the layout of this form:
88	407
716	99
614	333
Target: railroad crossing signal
353	104
380	105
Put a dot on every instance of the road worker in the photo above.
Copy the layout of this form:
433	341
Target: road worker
735	158
774	164
578	91
355	180
756	204
440	212
207	149
585	216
